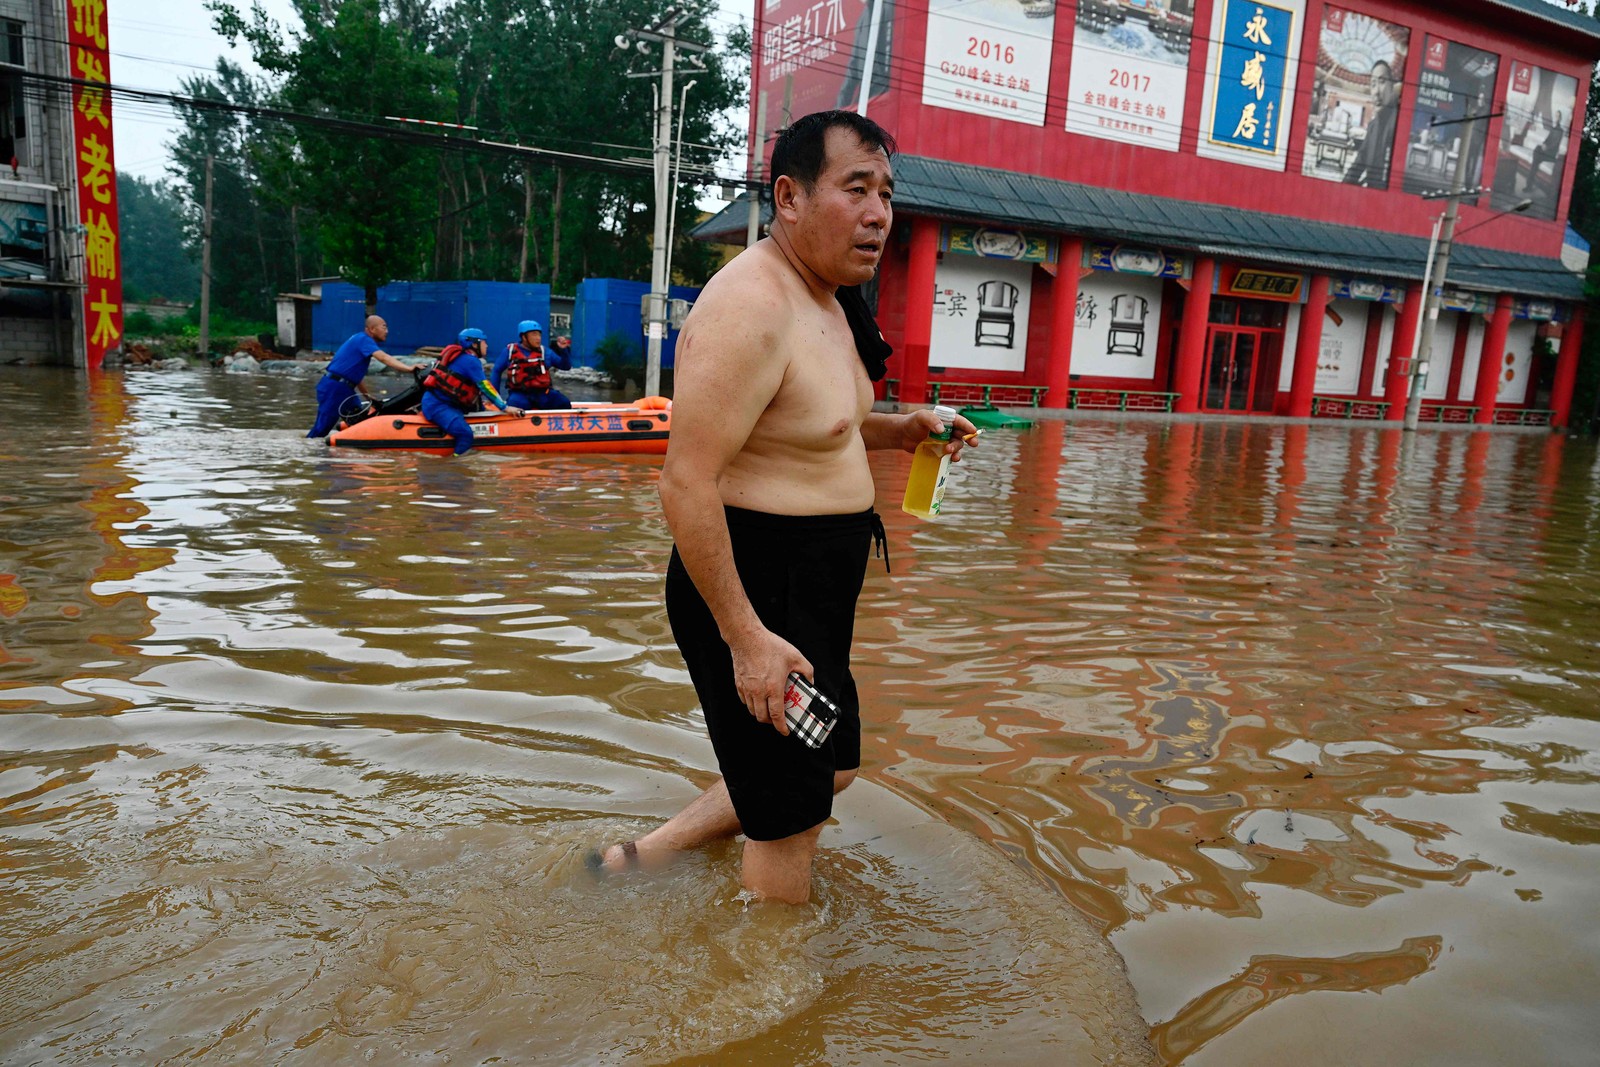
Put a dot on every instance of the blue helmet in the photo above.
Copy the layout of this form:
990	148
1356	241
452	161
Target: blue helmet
469	335
529	325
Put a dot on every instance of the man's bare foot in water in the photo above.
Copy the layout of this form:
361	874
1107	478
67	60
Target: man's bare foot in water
709	817
629	857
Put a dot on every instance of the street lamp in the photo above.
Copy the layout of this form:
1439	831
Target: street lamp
1440	243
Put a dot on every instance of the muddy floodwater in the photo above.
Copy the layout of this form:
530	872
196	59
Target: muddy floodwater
1212	743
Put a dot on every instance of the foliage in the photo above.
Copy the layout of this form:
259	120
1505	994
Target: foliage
546	75
256	250
1584	216
224	326
348	60
155	264
621	357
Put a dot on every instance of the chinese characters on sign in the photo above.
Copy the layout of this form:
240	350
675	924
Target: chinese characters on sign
1250	81
1129	76
808	36
97	180
989	60
812	54
1269	284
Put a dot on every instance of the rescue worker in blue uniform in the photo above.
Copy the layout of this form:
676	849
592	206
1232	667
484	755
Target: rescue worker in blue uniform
457	384
343	378
523	371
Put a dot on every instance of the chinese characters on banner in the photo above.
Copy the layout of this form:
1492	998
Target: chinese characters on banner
1130	71
1361	63
1533	140
821	45
1456	81
989	57
1250	78
97	179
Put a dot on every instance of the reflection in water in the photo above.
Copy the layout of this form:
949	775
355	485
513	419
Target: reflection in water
1270	978
320	738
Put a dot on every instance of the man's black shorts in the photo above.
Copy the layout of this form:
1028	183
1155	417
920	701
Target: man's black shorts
802	575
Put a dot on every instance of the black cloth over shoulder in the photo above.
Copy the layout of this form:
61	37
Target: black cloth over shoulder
870	345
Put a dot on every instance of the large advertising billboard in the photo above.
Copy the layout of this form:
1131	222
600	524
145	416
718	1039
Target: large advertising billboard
1130	70
97	180
1533	140
813	53
980	313
990	57
1250	79
1115	325
1456	81
1355	100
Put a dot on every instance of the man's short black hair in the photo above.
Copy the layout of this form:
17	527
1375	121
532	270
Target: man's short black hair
802	146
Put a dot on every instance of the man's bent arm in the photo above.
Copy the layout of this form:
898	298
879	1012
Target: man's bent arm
389	361
726	374
905	432
724	378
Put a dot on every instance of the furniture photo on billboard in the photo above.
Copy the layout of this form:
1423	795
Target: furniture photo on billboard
1126	337
997	314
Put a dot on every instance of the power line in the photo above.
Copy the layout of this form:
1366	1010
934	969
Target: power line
50	86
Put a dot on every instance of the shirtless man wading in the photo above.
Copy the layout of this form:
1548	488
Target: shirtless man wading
768	494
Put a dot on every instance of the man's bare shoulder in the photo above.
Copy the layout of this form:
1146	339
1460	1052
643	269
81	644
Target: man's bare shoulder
758	284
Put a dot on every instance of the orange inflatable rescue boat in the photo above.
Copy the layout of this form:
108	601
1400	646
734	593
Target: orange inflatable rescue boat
639	428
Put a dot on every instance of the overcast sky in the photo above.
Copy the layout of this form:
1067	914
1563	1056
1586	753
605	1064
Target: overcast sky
157	46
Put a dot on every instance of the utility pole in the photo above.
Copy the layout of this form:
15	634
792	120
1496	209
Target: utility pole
870	59
205	272
666	32
1435	275
758	150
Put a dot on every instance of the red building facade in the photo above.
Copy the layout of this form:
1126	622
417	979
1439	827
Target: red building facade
1211	205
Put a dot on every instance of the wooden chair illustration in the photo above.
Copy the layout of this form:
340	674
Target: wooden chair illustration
1126	336
997	314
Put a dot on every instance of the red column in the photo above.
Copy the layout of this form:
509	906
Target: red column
1308	348
1063	322
1190	363
1492	360
1566	369
1397	386
924	261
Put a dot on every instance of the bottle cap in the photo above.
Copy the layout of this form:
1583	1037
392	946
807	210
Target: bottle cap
945	415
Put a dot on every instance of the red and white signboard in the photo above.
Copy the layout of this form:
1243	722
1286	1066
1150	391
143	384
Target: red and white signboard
813	53
989	57
97	179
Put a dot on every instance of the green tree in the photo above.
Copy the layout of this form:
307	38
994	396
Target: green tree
156	265
549	75
252	238
1584	216
371	199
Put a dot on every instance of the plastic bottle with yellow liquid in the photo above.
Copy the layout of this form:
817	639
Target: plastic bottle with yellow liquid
930	470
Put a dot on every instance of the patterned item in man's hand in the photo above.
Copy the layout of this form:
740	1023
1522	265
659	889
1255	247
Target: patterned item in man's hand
811	715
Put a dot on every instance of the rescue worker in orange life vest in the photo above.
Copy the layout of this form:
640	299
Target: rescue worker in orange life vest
457	384
523	371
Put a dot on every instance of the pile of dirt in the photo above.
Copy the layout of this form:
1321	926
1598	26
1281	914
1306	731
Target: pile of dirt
255	348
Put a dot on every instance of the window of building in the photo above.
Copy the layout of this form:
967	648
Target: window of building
12	114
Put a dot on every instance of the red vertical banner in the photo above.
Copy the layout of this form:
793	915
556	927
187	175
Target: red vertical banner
97	179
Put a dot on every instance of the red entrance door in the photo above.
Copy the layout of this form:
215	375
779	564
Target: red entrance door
1241	368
